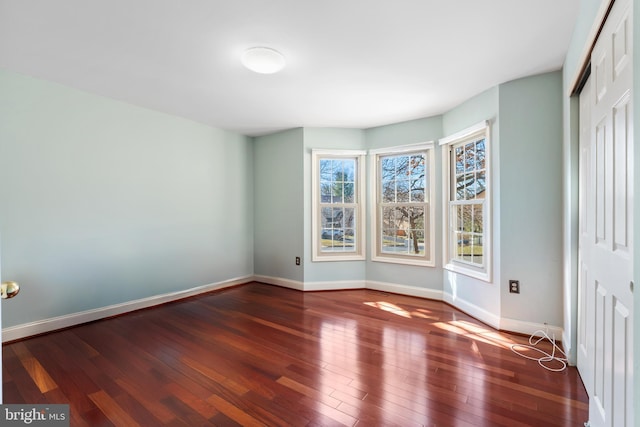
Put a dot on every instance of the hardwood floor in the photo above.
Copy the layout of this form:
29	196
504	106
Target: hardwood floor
263	355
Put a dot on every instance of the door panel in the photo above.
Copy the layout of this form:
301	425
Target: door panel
605	319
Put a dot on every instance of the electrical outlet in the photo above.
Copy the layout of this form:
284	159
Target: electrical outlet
514	286
297	260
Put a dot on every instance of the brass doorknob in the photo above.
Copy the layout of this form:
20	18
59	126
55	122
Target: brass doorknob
9	290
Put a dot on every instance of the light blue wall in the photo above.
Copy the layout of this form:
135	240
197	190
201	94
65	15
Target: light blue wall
460	289
531	194
279	209
327	138
105	202
410	132
584	22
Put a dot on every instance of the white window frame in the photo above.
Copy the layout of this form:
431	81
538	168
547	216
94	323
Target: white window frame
359	205
476	132
428	260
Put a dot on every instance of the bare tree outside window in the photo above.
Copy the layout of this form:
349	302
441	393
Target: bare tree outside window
467	201
403	208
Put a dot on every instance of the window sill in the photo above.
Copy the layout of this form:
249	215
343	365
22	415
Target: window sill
335	258
405	261
469	271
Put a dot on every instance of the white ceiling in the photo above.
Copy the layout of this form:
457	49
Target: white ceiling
350	63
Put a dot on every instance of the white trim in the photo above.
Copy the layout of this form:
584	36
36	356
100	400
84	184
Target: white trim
467	269
403	148
280	281
482	273
529	328
47	325
501	323
473	310
404	260
413	291
360	202
465	133
338	152
508	325
335	285
420	261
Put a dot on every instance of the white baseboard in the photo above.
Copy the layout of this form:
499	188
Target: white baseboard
311	286
473	310
47	325
335	286
501	323
405	290
279	281
529	328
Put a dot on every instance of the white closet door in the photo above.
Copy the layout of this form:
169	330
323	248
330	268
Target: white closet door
605	335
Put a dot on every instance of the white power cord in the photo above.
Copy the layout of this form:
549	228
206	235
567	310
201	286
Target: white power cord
545	358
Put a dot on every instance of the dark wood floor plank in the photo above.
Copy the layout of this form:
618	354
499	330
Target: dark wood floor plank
264	355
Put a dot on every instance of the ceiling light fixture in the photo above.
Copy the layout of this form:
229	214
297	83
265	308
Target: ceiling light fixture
263	60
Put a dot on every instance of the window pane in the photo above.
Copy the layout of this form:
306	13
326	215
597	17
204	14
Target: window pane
325	171
392	237
349	192
415	217
402	199
417	195
389	217
465	247
465	187
327	218
467	232
337	205
333	232
337	180
481	183
478	255
388	179
478	226
402	167
459	159
391	241
480	152
458	218
388	192
336	170
387	169
349	220
467	217
417	167
402	191
470	157
325	192
458	246
471	188
337	220
403	230
468	186
349	170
